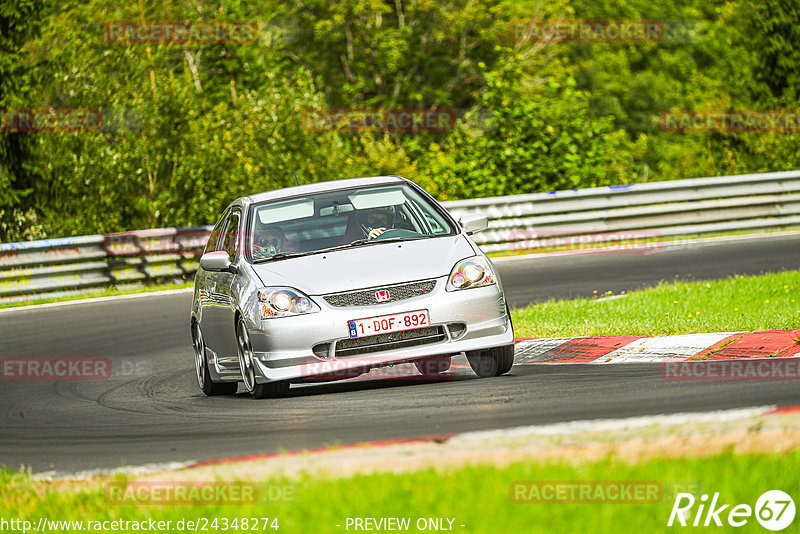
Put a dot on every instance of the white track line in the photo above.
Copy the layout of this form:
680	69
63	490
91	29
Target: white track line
604	425
666	244
135	470
33	307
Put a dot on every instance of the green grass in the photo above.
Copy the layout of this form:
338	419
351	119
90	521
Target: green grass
475	496
766	302
110	292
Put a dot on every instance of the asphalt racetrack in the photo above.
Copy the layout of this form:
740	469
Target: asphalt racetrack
151	410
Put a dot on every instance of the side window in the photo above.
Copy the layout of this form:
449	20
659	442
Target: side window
231	236
211	245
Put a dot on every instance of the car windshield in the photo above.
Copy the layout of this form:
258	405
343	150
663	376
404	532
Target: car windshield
344	218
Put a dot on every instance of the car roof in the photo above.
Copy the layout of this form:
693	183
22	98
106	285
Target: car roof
321	187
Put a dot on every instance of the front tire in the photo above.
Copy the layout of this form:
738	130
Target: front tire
246	366
491	362
209	387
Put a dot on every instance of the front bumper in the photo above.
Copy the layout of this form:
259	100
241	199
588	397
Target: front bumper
472	319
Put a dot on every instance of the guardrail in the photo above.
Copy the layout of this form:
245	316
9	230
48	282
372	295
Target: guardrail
651	211
54	268
639	211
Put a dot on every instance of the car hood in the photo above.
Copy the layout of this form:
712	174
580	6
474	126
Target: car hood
367	266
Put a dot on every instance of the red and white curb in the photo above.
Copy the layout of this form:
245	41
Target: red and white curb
638	349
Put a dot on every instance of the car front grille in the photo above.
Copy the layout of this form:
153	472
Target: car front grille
368	297
393	340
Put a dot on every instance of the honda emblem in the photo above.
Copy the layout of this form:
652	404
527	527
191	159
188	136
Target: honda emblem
382	295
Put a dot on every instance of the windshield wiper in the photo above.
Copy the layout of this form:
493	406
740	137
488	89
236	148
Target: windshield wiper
282	255
362	242
392	239
356	243
395	239
352	244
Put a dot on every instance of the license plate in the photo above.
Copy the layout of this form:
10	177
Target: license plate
383	324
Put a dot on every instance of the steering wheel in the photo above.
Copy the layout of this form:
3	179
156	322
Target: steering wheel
397	232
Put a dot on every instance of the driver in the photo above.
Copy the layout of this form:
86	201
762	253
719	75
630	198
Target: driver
269	241
378	221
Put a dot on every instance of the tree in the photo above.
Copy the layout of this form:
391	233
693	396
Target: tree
529	134
773	31
19	22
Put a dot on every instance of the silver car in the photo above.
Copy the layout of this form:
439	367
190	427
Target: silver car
333	279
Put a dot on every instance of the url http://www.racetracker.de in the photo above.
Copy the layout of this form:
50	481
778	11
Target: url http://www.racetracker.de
201	524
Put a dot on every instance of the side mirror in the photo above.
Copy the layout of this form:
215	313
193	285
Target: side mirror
472	223
218	261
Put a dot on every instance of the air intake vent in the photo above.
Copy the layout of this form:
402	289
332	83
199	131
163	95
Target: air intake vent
369	297
394	340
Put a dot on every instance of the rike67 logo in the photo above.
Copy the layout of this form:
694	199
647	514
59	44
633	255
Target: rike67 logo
774	510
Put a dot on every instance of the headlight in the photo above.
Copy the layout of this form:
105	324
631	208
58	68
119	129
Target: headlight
471	272
283	302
